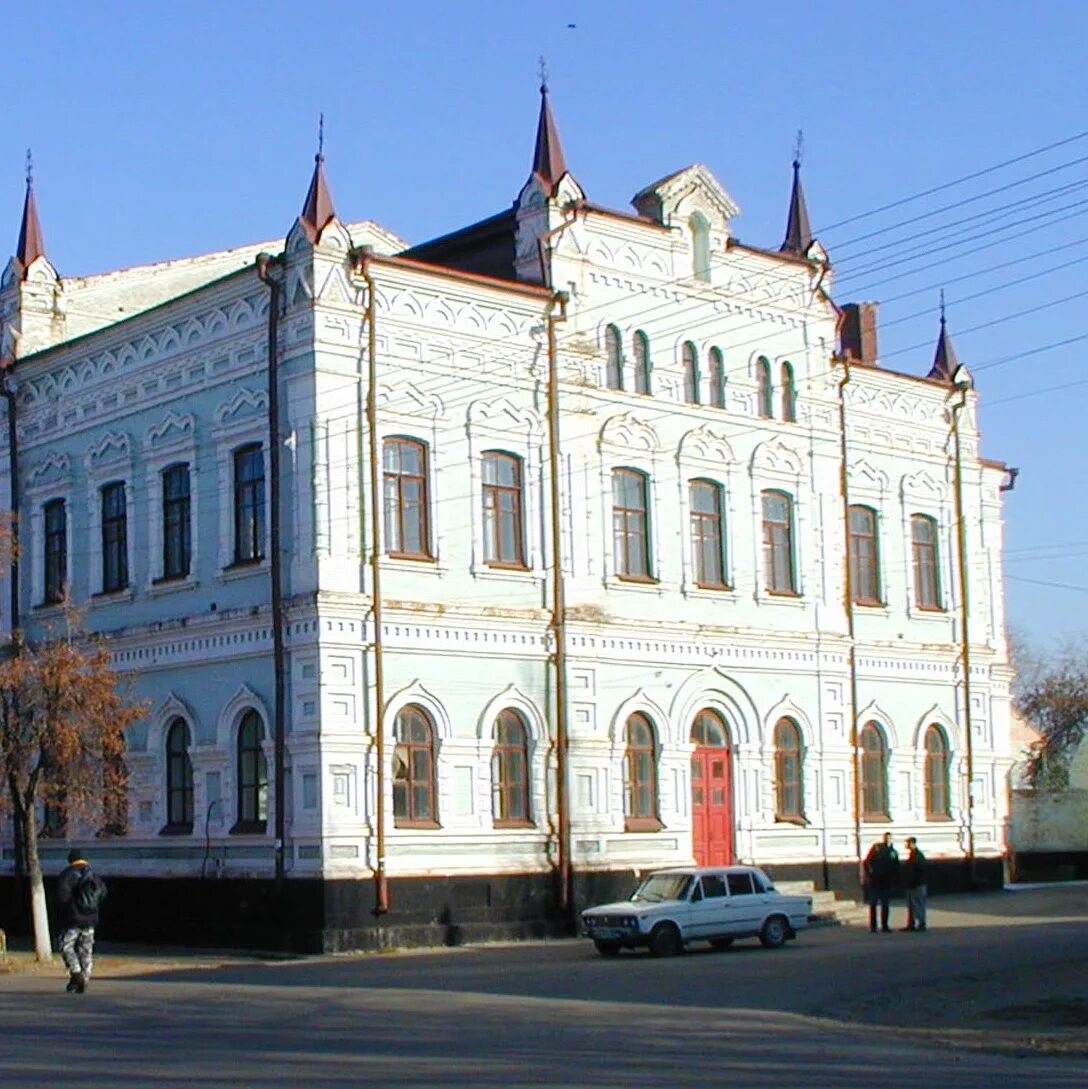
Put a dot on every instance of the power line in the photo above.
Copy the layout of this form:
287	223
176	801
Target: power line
1044	582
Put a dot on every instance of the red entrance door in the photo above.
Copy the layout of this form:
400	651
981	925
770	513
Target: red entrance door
711	792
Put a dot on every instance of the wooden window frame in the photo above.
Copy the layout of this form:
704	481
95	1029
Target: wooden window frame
55	557
177	543
789	772
938	794
393	499
700	734
857	538
252	772
509	792
114	536
926	556
179	780
700	521
637	820
493	514
623	519
779	536
249	504
870	789
405	752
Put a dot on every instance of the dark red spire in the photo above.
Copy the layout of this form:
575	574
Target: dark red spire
549	164
798	230
317	209
945	362
31	245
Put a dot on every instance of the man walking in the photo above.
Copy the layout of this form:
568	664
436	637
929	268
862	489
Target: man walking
914	882
80	892
881	870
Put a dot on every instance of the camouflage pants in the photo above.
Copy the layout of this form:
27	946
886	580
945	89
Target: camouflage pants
77	949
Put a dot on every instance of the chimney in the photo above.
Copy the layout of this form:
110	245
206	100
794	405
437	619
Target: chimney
858	336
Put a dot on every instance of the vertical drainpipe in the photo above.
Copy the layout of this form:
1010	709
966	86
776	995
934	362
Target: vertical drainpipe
264	271
965	645
381	883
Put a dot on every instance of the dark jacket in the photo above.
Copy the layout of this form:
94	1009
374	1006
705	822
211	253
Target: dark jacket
69	911
882	865
914	870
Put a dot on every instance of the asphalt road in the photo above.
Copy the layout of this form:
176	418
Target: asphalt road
839	1007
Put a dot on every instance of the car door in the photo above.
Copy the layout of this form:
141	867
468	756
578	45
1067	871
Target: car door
746	907
709	904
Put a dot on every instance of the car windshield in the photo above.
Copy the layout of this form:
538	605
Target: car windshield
663	886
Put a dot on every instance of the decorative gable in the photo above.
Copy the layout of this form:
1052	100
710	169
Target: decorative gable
676	198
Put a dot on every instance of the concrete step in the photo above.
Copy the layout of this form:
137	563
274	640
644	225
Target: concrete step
827	908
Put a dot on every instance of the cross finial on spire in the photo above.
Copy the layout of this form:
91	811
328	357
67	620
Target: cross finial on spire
945	360
543	70
30	246
942	307
29	167
798	229
321	135
548	162
798	147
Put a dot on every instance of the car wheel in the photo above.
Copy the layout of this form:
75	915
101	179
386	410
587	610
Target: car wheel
720	943
775	932
665	941
608	949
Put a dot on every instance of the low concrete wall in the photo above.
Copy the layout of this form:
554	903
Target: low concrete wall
1051	821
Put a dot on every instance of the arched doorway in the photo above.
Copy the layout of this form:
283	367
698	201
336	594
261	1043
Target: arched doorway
711	791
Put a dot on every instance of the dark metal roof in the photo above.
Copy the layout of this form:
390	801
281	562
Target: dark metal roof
317	209
798	229
549	163
31	244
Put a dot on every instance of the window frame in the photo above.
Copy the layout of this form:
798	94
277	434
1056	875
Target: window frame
926	560
764	389
249	505
637	786
410	714
613	348
179	779
856	538
788	392
251	770
397	508
698	520
176	522
689	361
789	772
716	377
506	786
113	533
938	791
623	518
54	551
874	758
493	516
643	368
779	535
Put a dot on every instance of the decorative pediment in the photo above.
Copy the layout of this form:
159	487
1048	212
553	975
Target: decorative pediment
244	405
110	450
866	477
677	197
921	485
774	457
629	433
407	399
172	430
501	415
704	444
54	469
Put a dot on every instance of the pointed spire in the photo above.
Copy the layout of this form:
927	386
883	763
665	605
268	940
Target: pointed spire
31	245
798	230
945	361
549	164
318	209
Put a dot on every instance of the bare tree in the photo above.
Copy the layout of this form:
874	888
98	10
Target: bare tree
63	719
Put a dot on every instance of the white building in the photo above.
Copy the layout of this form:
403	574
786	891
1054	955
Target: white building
669	403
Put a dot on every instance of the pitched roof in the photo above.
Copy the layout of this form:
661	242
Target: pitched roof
31	245
549	163
317	209
945	361
798	229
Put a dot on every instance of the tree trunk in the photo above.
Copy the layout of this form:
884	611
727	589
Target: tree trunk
43	946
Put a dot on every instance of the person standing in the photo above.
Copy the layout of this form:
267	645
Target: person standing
881	870
79	894
914	883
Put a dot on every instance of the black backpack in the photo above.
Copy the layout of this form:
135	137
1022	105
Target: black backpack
88	893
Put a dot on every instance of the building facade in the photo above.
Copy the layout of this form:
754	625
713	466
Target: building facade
464	580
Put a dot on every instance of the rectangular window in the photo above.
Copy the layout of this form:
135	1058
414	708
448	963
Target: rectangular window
707	538
778	559
923	541
404	464
176	539
56	551
864	557
249	504
502	510
630	526
114	538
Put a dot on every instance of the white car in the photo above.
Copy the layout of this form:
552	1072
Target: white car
715	904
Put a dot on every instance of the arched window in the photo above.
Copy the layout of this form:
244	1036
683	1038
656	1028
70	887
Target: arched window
778	558
707	533
788	759
764	393
716	377
937	793
252	775
864	557
874	773
691	373
613	348
179	778
630	524
502	515
709	731
789	394
925	558
510	770
641	774
700	246
413	768
642	362
404	479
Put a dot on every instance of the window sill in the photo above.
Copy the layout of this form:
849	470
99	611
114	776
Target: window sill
939	818
50	608
796	822
249	828
634	585
642	824
929	611
243	570
109	597
428	825
876	818
867	604
513	824
185	829
507	574
417	565
172	585
785	598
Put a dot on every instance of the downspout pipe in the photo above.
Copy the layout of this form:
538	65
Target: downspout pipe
265	266
381	881
962	387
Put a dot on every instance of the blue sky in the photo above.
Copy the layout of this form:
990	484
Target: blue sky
162	130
